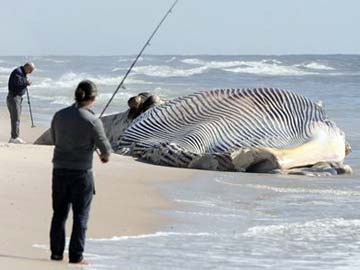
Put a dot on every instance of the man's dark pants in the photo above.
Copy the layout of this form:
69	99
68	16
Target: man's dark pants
14	106
76	188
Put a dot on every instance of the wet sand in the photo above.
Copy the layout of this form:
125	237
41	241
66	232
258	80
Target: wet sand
126	197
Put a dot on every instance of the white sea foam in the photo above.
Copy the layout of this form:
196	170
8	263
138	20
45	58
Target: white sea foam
263	67
316	228
154	235
6	70
119	96
3	83
71	79
113	81
207	214
193	61
62	100
336	192
68	100
167	71
202	203
213	64
317	66
63	82
273	69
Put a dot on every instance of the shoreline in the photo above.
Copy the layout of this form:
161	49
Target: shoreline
124	204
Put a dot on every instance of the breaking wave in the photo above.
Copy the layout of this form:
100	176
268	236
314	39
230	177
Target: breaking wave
216	64
269	67
5	70
167	71
317	66
71	79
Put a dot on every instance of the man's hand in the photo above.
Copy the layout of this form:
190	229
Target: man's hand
28	82
104	158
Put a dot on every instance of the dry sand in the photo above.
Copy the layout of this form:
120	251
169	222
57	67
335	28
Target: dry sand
124	204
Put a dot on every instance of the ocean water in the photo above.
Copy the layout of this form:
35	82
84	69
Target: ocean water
250	222
226	220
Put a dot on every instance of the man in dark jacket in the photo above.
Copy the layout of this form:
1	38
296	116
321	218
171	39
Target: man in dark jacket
18	83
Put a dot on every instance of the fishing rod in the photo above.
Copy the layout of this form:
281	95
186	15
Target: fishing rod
137	57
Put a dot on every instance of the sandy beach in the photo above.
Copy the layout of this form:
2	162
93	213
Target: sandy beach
123	205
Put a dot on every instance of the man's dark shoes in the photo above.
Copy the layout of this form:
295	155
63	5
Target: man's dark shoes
56	257
80	261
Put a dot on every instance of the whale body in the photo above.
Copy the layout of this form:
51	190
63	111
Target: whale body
251	130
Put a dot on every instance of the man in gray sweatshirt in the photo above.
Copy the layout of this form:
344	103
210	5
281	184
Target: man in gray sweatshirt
76	133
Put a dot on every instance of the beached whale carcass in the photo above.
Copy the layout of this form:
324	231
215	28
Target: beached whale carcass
254	130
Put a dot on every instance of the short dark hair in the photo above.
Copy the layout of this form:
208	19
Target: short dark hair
86	90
